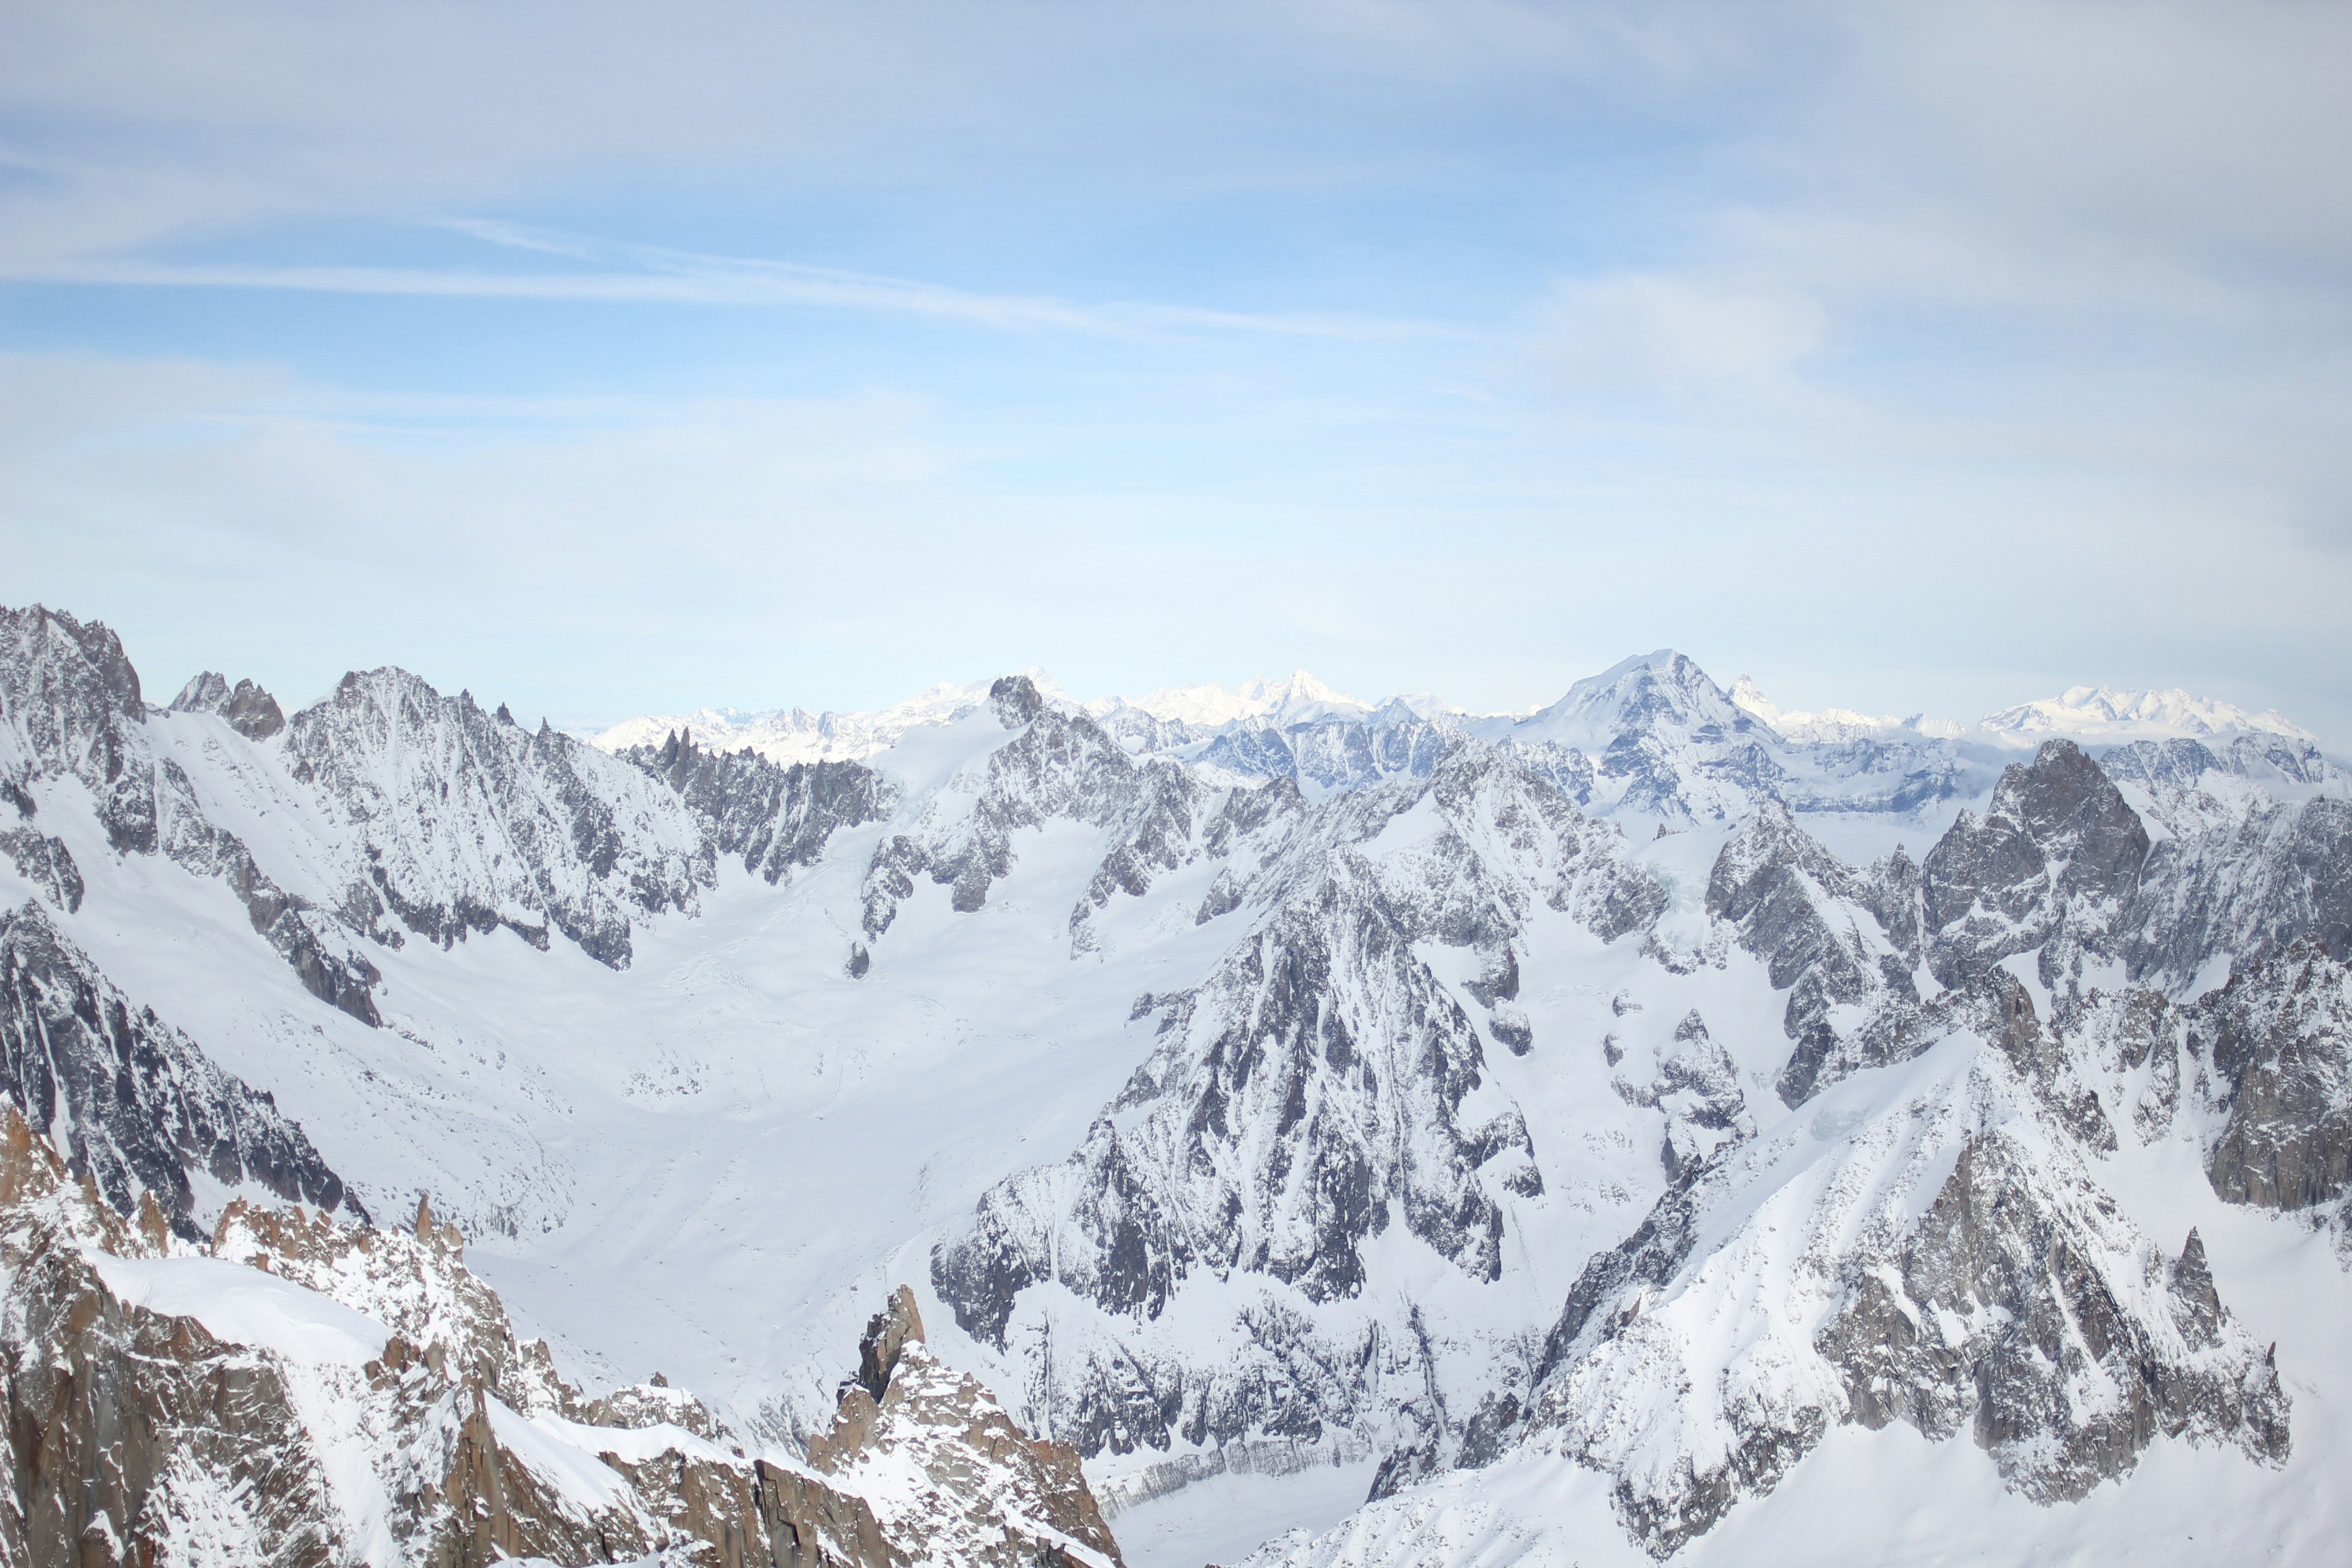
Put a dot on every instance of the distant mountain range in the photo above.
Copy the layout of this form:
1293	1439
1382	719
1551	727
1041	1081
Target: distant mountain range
1652	1126
1200	712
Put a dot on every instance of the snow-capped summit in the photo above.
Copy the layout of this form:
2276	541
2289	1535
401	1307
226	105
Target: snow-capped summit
1834	725
1298	699
1665	690
2103	713
788	735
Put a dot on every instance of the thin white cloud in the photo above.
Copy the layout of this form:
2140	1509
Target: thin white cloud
654	274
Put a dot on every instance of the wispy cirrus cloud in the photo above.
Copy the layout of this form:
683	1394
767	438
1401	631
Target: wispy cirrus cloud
640	274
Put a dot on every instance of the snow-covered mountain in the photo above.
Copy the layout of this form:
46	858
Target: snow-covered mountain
1301	699
1834	724
2104	713
1383	1134
791	735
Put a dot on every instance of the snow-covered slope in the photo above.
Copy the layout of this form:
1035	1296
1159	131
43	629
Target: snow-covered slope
1507	1116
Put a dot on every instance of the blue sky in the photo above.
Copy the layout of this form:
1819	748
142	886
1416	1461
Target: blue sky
607	359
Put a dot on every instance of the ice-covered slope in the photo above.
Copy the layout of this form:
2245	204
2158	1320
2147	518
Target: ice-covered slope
1258	1131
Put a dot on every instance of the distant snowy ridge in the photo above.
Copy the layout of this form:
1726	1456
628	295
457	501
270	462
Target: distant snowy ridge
1296	700
1834	724
1178	716
789	735
2103	713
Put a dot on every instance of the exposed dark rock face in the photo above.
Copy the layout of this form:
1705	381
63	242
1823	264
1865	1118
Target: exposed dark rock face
1322	1073
47	864
1781	891
2244	889
1320	1081
2020	1260
777	818
1697	1089
70	693
1977	1280
1057	767
2279	1039
1996	1008
321	950
138	1437
250	711
903	1405
2058	849
470	823
122	1419
1827	935
138	1105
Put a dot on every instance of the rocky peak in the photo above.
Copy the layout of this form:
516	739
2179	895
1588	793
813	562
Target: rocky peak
995	1498
777	818
249	710
2057	848
1016	700
468	825
70	695
144	1108
886	1336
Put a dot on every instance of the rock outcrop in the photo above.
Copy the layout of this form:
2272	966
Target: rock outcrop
139	1107
1939	1254
246	708
776	818
997	1499
172	1402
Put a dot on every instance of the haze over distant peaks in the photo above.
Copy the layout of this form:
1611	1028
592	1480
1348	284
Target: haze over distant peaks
2103	711
1665	688
1834	724
1296	700
796	735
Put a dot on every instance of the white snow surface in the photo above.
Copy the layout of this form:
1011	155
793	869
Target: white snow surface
242	1305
